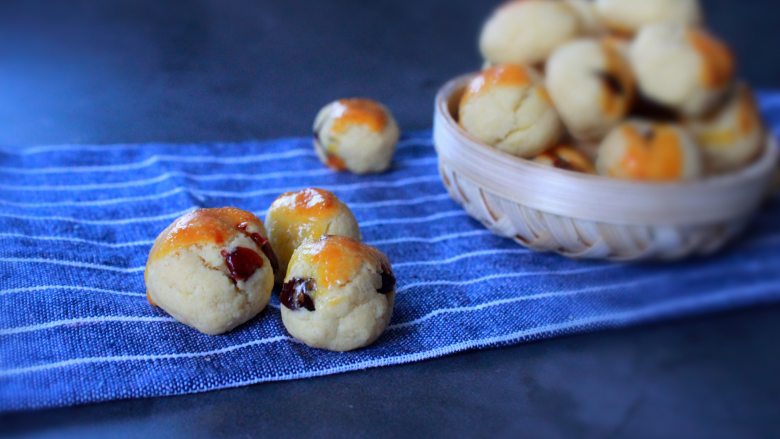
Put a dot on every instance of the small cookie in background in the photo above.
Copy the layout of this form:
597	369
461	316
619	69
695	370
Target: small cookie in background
211	269
733	136
648	151
567	158
306	215
628	16
684	68
506	107
338	294
526	32
356	135
591	85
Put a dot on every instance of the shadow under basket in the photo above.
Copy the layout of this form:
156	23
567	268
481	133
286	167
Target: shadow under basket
590	216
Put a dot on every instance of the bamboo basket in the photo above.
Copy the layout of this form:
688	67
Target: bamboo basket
587	216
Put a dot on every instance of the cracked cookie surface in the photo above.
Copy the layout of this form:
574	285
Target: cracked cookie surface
210	270
357	135
505	106
338	294
306	215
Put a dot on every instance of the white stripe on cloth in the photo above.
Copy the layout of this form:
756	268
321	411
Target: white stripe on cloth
83	321
95	203
335	188
149	242
155	159
474	254
196	177
647	312
406	143
146	319
75	264
115	222
461	283
125	221
414	220
201	194
152	197
75	288
614	319
132	270
434	240
79	240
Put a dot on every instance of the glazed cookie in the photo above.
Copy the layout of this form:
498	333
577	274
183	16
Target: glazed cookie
646	151
627	16
212	269
527	31
732	137
357	135
338	294
567	158
684	68
505	107
306	215
591	85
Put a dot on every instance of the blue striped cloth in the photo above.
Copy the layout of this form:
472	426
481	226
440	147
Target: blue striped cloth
78	221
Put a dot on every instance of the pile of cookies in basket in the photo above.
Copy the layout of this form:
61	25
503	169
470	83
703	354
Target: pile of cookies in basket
635	90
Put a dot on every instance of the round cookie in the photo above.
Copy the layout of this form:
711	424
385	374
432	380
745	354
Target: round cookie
647	151
338	294
733	136
592	86
684	68
357	135
306	215
527	31
505	107
628	16
567	158
211	269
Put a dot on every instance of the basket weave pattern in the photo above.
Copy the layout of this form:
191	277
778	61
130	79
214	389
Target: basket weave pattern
591	217
578	238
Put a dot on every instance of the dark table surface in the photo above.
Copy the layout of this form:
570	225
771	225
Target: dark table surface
139	71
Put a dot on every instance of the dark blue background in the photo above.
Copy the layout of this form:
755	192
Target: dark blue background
134	71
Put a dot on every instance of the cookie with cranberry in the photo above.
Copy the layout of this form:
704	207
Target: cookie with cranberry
211	269
338	294
683	68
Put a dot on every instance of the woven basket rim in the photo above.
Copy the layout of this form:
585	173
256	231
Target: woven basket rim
769	155
710	200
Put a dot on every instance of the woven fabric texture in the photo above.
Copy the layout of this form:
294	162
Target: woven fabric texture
78	221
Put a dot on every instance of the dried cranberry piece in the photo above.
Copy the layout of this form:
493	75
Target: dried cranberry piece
648	109
560	163
388	281
612	82
295	294
242	262
264	245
